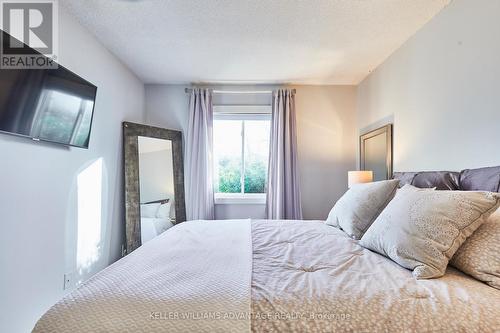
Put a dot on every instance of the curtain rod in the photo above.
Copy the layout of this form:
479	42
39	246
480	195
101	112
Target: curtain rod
188	90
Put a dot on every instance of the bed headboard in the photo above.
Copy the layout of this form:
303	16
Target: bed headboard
483	179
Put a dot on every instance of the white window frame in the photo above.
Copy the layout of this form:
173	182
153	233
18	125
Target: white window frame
241	112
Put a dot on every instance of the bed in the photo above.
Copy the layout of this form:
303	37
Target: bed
270	276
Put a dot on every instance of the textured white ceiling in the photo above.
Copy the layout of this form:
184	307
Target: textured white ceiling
253	41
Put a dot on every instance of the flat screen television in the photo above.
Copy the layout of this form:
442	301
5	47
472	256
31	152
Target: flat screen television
53	105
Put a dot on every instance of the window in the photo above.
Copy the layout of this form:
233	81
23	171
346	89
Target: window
241	152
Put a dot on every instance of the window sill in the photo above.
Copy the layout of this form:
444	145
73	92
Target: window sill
240	199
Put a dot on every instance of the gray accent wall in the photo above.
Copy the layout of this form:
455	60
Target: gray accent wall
441	90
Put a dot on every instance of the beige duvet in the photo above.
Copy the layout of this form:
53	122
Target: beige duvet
269	276
325	282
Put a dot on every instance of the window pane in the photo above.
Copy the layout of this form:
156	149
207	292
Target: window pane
227	156
256	155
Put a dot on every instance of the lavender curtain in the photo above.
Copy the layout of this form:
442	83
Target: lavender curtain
283	192
199	139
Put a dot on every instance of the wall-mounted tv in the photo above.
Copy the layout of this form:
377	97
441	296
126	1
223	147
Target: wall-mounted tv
53	105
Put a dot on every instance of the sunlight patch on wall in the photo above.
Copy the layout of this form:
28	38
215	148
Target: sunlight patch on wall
89	184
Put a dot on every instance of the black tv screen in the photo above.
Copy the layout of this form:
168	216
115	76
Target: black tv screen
53	105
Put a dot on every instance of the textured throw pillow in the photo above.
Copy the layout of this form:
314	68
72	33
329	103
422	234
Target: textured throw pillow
149	210
479	256
360	205
164	211
421	229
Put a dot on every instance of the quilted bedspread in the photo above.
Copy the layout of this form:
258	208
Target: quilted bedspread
195	277
269	276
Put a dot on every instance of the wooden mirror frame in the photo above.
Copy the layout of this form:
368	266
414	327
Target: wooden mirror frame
387	129
131	132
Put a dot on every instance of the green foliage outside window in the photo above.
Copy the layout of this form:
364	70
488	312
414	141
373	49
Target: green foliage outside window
255	176
230	176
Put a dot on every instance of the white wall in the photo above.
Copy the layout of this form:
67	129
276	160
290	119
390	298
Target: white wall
41	231
441	89
326	125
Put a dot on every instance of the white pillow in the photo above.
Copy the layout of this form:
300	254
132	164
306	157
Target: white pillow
164	211
421	229
162	225
360	205
149	210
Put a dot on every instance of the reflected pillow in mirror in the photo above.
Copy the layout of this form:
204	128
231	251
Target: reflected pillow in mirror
356	210
164	211
149	210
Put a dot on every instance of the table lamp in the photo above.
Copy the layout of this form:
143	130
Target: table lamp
359	177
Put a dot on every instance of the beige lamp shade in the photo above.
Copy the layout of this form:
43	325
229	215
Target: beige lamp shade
359	177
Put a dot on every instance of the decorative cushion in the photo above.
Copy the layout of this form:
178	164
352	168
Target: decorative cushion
164	210
149	210
360	205
479	256
421	229
483	179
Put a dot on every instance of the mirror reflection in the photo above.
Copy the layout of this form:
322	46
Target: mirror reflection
376	156
376	152
156	180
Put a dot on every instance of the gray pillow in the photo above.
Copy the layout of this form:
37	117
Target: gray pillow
360	205
479	256
421	229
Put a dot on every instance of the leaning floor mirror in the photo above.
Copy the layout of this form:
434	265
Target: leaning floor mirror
154	182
